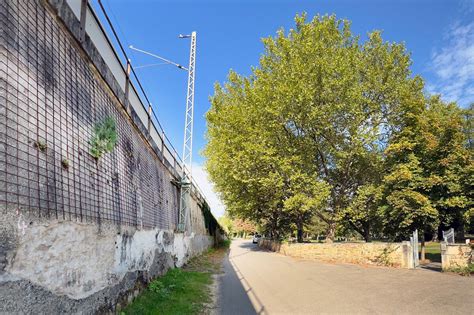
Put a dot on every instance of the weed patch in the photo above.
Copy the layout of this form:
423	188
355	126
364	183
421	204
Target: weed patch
181	291
177	292
463	271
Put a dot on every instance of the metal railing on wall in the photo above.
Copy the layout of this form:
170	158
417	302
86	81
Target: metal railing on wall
129	78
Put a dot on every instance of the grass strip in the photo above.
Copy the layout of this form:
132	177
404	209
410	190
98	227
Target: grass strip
181	291
177	292
432	251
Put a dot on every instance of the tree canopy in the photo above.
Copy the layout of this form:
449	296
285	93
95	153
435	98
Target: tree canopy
337	129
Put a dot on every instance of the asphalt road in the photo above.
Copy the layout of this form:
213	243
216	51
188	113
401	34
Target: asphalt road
261	282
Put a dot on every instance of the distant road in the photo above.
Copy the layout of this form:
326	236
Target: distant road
257	281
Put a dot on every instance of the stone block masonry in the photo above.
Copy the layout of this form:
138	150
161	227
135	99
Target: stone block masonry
454	256
382	254
78	235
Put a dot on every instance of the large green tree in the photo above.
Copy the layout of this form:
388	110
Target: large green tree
449	165
296	138
468	124
429	171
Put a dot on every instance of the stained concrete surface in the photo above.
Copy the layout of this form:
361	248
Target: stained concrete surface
277	284
58	267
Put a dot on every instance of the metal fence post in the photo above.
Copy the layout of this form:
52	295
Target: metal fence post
163	145
127	85
149	117
414	241
174	159
82	35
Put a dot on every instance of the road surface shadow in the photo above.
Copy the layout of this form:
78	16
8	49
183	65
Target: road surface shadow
233	298
250	246
433	266
250	292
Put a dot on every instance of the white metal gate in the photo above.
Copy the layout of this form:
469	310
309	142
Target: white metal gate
414	246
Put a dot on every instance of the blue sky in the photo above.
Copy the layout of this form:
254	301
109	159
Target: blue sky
439	34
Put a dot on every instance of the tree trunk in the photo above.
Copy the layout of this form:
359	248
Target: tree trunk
459	234
422	256
440	232
367	235
331	232
299	233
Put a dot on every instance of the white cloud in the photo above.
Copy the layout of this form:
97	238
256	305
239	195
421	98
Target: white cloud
467	6
453	65
202	179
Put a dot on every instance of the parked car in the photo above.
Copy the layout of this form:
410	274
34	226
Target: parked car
255	239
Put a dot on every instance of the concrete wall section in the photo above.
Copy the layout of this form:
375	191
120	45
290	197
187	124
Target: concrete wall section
51	94
74	263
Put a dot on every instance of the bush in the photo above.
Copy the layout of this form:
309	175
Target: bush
104	138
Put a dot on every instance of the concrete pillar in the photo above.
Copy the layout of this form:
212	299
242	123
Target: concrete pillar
407	255
444	256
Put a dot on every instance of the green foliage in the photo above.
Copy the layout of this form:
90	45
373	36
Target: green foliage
429	171
41	145
243	227
159	288
316	228
177	292
104	138
181	291
65	163
332	127
468	126
463	271
226	224
364	214
225	244
297	137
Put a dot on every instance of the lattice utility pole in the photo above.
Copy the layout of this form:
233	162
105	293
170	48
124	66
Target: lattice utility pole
186	178
185	194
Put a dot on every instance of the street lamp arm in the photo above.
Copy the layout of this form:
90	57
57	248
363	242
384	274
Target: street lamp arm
161	58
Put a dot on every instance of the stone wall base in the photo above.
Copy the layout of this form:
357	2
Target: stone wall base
455	255
381	254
